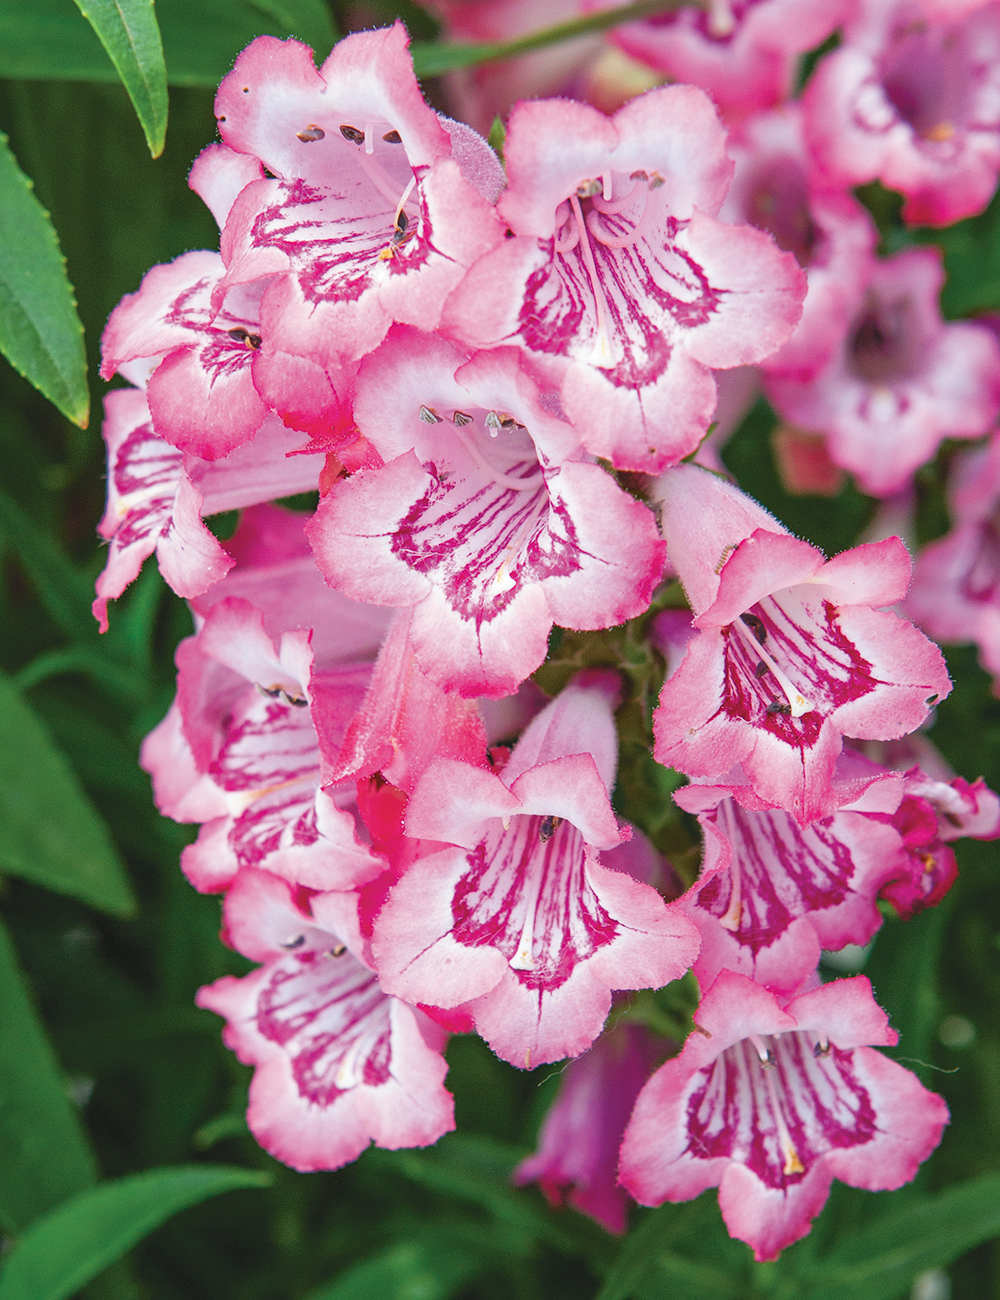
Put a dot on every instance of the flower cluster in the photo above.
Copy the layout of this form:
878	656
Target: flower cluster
490	377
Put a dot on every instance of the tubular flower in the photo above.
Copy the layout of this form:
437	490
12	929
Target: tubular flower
157	497
776	187
486	519
913	103
369	217
901	379
577	1156
743	52
338	1063
619	279
792	652
772	893
520	922
770	1103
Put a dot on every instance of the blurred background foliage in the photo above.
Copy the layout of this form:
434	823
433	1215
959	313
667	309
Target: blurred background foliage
120	1110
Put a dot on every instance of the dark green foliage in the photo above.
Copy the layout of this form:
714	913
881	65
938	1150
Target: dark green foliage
129	1082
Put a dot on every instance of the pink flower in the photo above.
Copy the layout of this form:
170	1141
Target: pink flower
521	923
915	104
932	814
770	1103
486	519
772	893
618	277
580	1136
375	209
956	583
793	651
243	715
776	187
901	380
743	52
157	497
338	1064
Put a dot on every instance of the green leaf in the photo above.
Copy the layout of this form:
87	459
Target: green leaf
44	1156
50	833
881	1262
74	1243
49	39
129	32
433	1268
430	60
40	331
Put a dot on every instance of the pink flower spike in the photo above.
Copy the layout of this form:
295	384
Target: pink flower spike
338	1064
900	380
486	519
520	922
771	894
770	1103
790	655
913	104
743	52
577	1156
201	395
618	279
368	219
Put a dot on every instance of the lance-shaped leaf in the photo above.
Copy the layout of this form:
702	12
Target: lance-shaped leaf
44	1156
129	32
201	38
433	1268
49	831
63	1251
880	1262
40	331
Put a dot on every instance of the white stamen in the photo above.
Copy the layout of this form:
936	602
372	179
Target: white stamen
369	137
524	958
792	1165
600	232
721	20
734	912
502	480
619	205
761	1048
797	701
602	355
402	202
607	183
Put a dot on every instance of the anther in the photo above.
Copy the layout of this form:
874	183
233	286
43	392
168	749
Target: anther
292	944
399	230
778	706
460	418
493	423
429	415
762	1050
353	134
240	335
337	950
756	626
760	670
310	133
822	1048
392	137
588	189
548	827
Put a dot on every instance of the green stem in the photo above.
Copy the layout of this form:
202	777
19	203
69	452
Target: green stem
430	60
